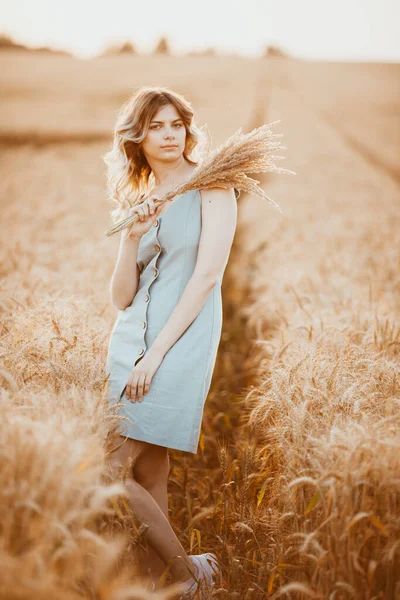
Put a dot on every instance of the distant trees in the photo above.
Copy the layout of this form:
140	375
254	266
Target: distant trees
275	51
127	47
8	43
116	49
162	47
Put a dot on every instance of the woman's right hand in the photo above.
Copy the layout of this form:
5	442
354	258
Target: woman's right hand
148	213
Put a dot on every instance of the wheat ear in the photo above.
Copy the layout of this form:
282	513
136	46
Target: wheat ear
227	165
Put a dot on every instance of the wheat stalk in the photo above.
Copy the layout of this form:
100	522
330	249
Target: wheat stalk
226	167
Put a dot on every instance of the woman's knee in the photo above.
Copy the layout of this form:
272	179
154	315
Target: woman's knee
152	467
122	457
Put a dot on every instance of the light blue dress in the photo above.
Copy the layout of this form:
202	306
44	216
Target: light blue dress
170	414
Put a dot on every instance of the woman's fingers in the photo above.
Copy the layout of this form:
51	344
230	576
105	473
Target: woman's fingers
130	387
152	205
140	387
136	386
147	208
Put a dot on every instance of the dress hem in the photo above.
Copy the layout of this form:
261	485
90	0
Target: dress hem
159	442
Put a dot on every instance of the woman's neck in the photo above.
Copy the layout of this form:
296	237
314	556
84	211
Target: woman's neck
165	186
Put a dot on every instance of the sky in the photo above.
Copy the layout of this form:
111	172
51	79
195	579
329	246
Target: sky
343	30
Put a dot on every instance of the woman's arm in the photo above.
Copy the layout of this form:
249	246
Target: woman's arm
125	279
219	217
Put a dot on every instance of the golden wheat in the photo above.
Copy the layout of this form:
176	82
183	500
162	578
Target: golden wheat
311	322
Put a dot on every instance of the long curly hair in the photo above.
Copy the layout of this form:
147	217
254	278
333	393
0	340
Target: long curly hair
129	175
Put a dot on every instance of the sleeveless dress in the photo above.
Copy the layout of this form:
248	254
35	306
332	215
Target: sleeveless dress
170	414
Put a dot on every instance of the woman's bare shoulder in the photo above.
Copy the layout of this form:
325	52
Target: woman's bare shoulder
211	193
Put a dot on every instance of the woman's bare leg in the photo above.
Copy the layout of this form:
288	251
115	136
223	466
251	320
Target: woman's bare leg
160	535
151	470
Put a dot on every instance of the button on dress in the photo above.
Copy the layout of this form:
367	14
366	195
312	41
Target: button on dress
170	414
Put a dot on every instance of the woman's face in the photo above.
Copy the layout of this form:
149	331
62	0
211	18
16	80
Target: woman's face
166	128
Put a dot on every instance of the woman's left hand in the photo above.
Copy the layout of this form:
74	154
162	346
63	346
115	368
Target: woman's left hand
142	374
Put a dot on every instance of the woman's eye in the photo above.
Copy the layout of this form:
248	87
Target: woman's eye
176	125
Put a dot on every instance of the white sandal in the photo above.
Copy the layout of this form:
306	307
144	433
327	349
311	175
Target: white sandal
206	571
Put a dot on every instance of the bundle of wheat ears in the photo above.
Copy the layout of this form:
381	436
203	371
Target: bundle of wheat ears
227	165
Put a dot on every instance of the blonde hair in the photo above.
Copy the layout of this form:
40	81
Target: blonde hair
129	175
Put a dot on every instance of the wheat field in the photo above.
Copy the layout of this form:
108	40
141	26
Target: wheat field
296	485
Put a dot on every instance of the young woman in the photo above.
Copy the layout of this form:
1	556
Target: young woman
167	287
